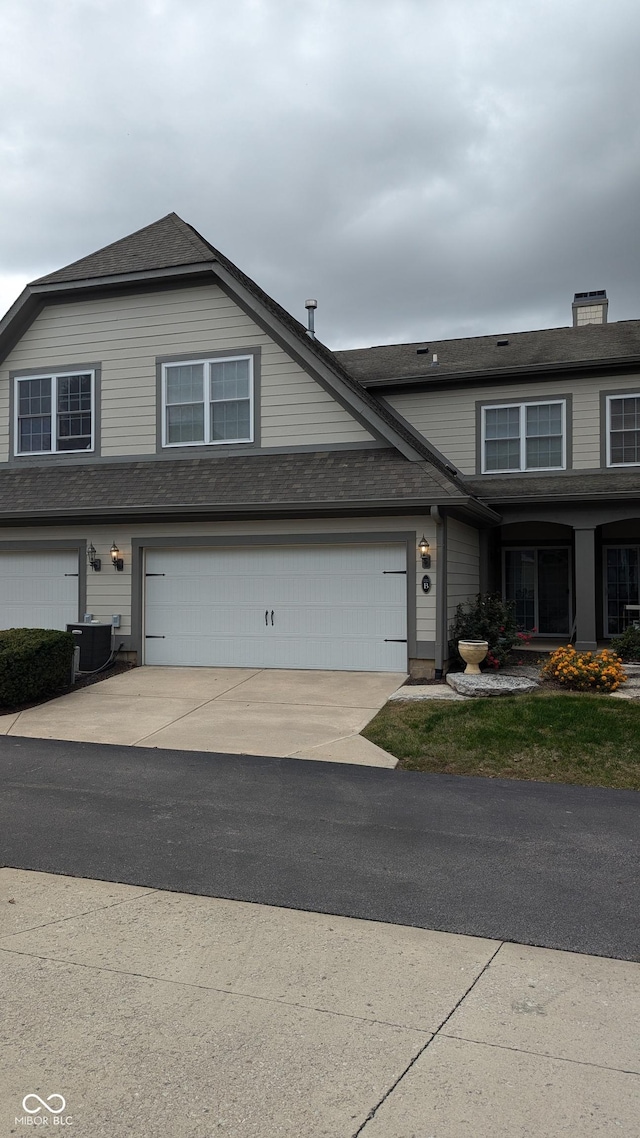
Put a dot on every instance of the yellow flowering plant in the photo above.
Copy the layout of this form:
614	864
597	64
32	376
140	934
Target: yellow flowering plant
585	671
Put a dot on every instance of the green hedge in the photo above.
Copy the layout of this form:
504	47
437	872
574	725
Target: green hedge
34	663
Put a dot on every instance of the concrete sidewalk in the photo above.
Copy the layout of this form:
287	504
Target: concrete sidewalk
154	1012
288	714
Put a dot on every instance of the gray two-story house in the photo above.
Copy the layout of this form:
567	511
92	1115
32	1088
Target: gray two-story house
544	427
179	455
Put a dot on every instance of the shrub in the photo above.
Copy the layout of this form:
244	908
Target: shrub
488	618
34	663
585	671
627	645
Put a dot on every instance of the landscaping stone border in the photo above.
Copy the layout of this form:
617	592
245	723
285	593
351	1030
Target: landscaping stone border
490	684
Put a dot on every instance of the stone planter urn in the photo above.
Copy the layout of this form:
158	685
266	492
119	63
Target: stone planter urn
473	652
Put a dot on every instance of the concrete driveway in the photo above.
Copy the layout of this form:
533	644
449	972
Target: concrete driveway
150	1012
287	714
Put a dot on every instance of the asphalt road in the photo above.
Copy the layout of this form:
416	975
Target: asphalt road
528	862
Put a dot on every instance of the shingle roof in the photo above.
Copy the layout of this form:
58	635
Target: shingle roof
226	483
166	244
481	353
594	485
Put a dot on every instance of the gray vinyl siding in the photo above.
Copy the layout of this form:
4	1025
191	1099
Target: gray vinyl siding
109	592
127	333
463	565
448	418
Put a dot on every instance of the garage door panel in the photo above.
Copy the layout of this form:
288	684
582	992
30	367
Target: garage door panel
239	589
206	619
316	620
278	652
38	590
318	589
336	607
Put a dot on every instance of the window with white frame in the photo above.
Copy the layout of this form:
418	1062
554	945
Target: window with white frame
524	436
208	401
623	430
54	413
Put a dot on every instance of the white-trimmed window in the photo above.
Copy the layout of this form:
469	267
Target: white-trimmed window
623	430
54	413
524	436
208	401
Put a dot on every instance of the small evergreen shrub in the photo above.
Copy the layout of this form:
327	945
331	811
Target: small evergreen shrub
34	663
585	671
488	618
627	645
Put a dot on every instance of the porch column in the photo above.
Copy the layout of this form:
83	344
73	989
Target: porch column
585	561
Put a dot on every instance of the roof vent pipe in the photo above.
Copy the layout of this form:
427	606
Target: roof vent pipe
311	306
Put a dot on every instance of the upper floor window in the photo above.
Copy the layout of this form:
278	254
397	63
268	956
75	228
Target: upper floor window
623	430
208	401
54	413
524	436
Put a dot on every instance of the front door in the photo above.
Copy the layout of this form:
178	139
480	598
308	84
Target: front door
537	580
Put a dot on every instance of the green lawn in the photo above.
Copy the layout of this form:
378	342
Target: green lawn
591	740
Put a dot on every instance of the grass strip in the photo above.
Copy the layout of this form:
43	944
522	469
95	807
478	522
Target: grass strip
588	740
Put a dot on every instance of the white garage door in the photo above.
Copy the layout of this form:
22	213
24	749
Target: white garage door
38	590
330	607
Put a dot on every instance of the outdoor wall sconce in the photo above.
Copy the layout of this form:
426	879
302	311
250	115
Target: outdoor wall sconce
94	561
423	549
116	559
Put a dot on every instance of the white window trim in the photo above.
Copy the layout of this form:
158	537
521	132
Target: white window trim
206	361
54	376
619	395
523	441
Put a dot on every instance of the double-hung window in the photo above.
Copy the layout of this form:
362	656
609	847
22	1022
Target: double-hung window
524	436
54	413
208	401
623	430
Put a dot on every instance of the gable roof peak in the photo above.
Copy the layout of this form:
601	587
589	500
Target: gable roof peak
166	243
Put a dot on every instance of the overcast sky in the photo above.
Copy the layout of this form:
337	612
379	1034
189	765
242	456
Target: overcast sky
425	168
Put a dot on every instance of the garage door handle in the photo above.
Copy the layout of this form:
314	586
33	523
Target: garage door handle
272	618
150	636
266	616
390	640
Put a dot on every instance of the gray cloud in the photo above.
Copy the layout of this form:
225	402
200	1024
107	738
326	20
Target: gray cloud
425	169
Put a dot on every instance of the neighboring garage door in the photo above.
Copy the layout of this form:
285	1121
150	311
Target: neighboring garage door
341	606
38	590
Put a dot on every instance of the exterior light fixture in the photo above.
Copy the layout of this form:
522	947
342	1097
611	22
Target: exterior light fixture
423	549
94	561
116	559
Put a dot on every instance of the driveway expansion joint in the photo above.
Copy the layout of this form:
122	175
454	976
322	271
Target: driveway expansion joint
137	742
76	916
540	1054
210	988
372	1113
